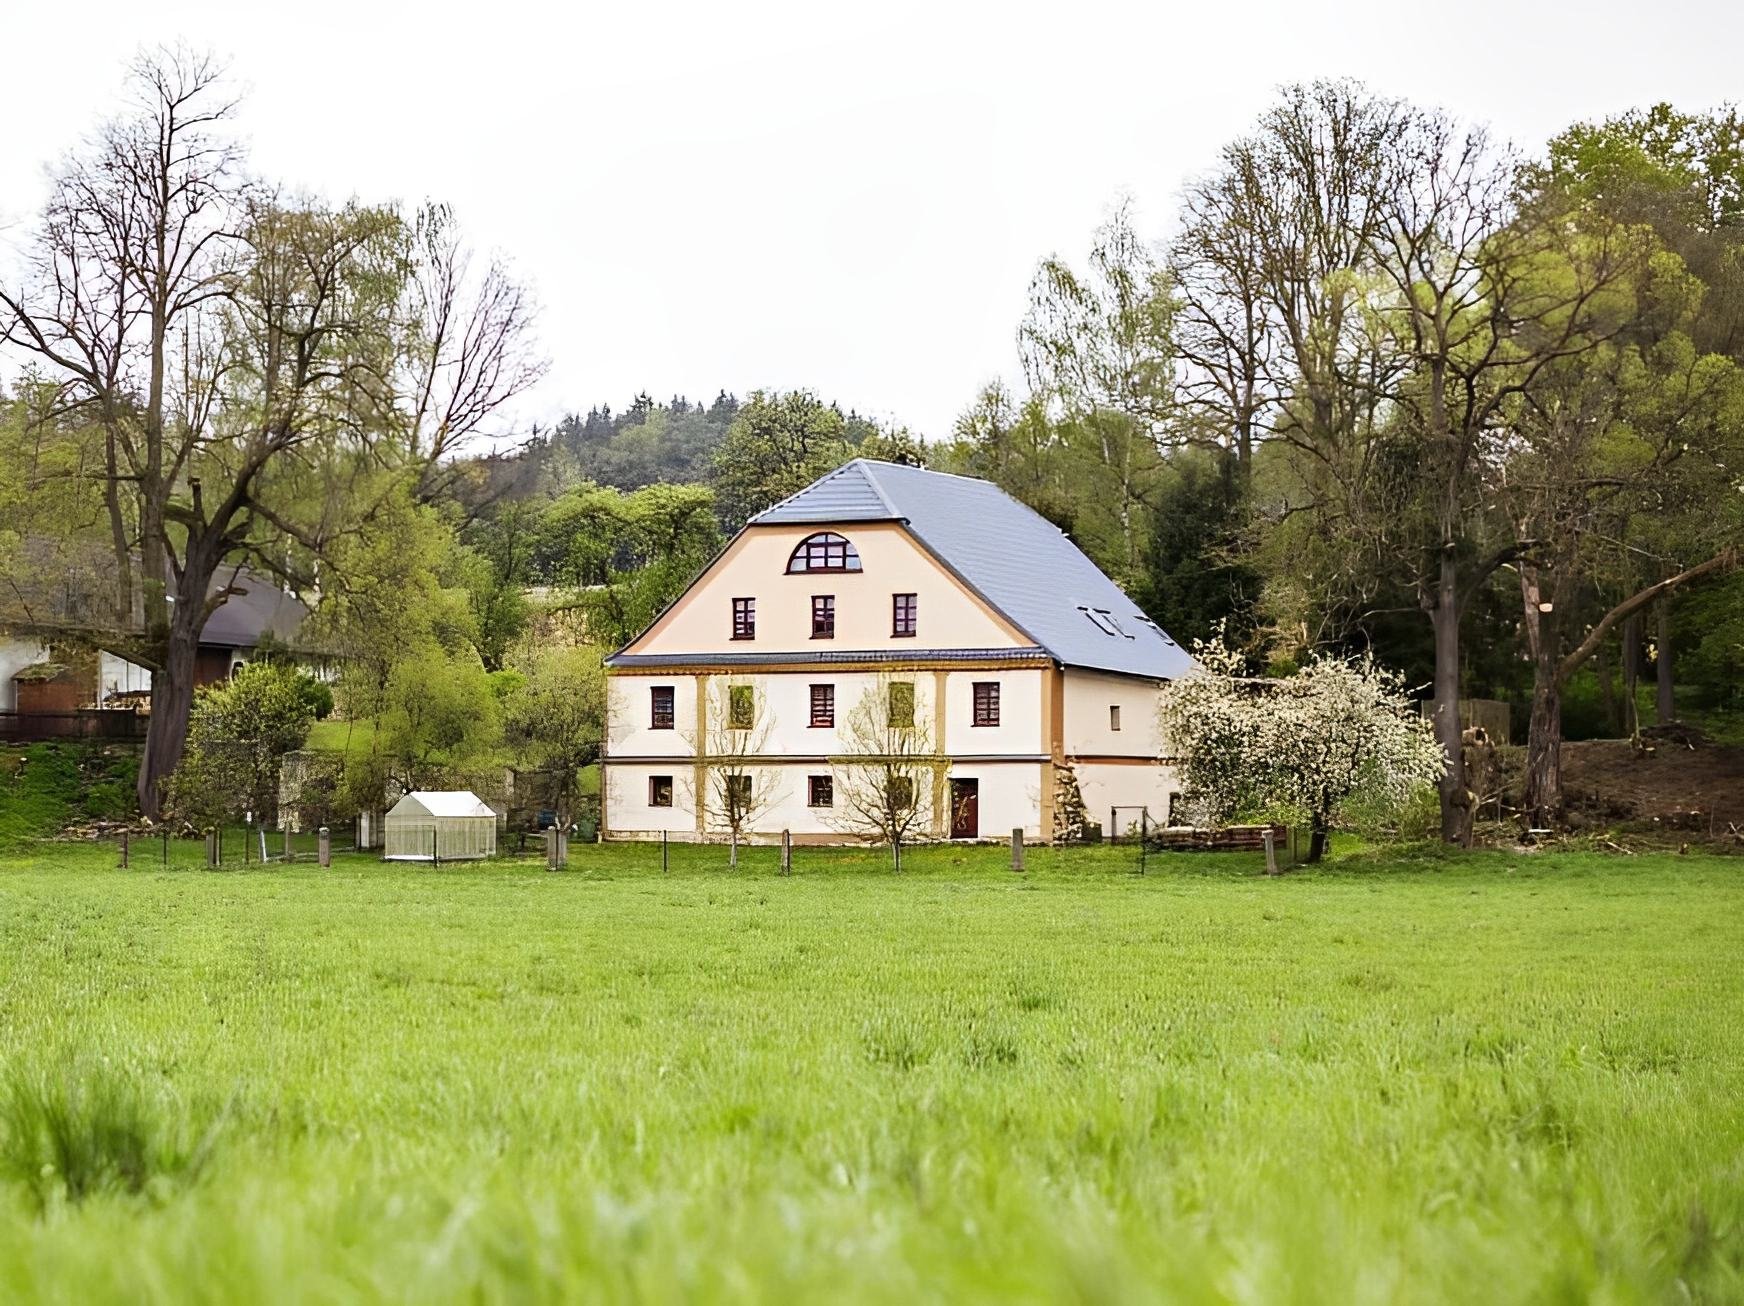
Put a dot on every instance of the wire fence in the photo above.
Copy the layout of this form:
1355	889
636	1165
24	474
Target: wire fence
227	848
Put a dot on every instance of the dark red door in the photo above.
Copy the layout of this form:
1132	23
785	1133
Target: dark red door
965	809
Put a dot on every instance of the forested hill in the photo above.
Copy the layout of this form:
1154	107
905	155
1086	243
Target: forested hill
676	443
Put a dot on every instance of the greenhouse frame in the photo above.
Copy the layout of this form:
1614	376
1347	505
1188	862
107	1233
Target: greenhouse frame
439	825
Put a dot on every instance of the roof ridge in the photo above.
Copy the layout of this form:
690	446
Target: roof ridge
866	465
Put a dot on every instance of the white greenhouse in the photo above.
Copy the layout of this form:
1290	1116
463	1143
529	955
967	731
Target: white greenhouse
439	825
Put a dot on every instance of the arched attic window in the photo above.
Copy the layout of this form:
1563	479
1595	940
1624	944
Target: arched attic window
825	551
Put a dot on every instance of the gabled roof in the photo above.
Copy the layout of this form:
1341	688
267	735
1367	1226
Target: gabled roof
1013	557
441	802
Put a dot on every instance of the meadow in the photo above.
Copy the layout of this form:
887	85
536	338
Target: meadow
1394	1079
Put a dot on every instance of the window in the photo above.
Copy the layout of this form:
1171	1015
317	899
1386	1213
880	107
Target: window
823	616
903	612
741	707
823	705
1104	621
739	794
660	791
986	702
744	618
820	791
900	793
901	703
1114	716
660	708
825	551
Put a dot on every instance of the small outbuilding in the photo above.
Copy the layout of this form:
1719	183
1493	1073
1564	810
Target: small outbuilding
439	825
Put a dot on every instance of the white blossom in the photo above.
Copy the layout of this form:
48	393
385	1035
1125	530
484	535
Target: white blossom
1335	731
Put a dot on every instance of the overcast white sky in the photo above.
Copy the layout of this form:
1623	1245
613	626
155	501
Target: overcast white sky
847	198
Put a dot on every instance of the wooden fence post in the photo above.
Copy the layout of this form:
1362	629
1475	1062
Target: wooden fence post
124	850
787	852
324	846
214	848
1271	852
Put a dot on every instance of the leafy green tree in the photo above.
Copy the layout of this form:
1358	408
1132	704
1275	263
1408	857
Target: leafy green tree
777	445
625	557
240	729
554	721
438	715
1195	582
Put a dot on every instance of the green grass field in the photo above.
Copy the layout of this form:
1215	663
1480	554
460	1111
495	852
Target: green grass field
1491	1078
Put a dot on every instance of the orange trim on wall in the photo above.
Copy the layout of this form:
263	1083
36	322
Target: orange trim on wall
899	662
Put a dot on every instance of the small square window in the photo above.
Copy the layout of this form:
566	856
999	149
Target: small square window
660	791
904	615
739	794
900	793
823	705
741	707
744	618
823	616
820	791
660	707
901	704
986	703
1114	716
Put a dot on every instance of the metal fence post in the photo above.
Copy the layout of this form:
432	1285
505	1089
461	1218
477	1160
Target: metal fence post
1144	838
663	861
289	855
1113	829
124	850
214	848
787	852
1017	848
166	850
324	846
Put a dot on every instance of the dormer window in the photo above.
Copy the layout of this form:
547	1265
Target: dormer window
825	551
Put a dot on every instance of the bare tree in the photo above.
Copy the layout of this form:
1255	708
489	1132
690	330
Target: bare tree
884	779
731	747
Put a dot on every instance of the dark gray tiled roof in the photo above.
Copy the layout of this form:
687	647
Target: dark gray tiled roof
262	608
868	657
1018	561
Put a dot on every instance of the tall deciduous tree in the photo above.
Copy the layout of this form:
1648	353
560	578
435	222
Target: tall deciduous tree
252	360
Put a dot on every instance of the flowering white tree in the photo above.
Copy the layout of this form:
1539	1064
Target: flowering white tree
1332	732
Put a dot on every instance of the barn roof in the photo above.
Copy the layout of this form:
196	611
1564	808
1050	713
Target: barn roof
442	803
1018	561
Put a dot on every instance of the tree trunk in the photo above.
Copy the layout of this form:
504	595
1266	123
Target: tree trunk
172	700
896	853
1456	814
733	849
1319	839
1666	710
1543	797
1607	688
1631	638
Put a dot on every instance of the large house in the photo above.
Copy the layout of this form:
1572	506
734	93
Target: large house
1035	675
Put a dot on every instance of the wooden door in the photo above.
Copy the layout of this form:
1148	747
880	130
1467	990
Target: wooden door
965	809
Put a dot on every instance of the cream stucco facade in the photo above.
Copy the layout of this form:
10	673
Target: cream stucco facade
1005	719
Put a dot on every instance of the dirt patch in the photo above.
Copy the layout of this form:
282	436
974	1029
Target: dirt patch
1675	782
